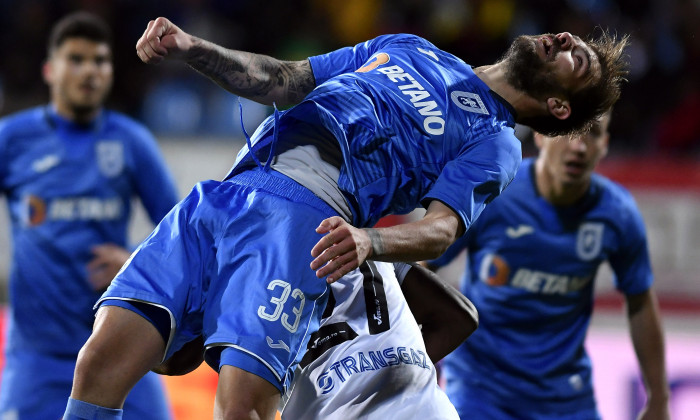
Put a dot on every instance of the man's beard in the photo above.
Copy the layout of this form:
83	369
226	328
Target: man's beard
527	72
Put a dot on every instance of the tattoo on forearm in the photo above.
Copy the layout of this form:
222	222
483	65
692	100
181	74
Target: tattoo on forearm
254	76
297	79
377	243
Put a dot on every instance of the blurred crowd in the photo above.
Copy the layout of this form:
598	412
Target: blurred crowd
658	113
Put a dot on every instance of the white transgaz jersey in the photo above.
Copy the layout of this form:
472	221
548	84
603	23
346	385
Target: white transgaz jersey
368	359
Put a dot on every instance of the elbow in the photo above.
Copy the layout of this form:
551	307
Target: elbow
471	318
467	318
440	243
461	321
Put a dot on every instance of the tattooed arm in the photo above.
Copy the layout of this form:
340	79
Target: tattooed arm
257	77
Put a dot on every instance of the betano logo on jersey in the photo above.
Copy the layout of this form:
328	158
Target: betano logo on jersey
369	361
68	209
374	62
495	271
433	123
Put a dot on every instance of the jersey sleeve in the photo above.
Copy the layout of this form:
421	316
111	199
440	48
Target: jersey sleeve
349	59
631	263
154	182
479	174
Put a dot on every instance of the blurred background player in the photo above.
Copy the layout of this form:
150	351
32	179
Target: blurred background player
532	259
381	128
69	171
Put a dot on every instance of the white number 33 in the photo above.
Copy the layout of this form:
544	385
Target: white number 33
279	303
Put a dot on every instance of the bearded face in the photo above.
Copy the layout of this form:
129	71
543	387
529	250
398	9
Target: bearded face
527	71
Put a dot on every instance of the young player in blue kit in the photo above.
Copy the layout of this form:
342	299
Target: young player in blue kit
533	256
381	128
69	171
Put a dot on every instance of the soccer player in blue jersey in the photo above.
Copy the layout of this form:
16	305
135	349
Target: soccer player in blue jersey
380	128
69	171
533	255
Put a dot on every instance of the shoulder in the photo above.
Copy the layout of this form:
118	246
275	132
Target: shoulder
612	191
24	122
616	200
134	129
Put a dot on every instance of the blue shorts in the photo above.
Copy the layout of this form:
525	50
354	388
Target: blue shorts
37	387
231	262
472	401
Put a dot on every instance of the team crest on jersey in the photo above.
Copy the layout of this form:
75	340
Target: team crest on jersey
110	157
469	102
589	240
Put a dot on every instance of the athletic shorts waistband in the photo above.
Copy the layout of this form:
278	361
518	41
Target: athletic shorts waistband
283	186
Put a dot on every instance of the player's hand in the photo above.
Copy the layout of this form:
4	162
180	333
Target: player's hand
341	250
162	39
107	261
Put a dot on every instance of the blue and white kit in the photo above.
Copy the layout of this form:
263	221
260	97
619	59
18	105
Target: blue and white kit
392	124
531	271
68	187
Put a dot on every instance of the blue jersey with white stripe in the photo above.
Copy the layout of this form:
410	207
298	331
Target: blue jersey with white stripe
69	187
414	124
531	271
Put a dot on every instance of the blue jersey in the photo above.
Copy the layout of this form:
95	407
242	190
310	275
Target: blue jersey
69	187
413	123
531	270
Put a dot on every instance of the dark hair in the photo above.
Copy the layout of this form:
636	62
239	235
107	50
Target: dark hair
592	101
79	25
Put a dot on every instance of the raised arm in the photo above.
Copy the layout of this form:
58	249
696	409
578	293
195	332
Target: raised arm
446	316
648	341
257	77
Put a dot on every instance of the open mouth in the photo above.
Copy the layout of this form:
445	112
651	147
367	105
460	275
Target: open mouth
575	168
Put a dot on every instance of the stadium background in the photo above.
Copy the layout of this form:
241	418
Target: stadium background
655	146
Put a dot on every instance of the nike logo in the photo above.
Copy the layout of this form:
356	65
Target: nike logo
45	163
521	230
274	345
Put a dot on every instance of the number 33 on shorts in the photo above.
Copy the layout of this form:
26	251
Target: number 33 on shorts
276	311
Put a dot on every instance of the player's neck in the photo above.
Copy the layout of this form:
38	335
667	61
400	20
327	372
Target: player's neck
75	114
525	106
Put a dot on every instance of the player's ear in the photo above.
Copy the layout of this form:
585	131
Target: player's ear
559	108
537	138
606	141
47	72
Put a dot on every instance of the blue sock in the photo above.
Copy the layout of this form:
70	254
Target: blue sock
80	410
